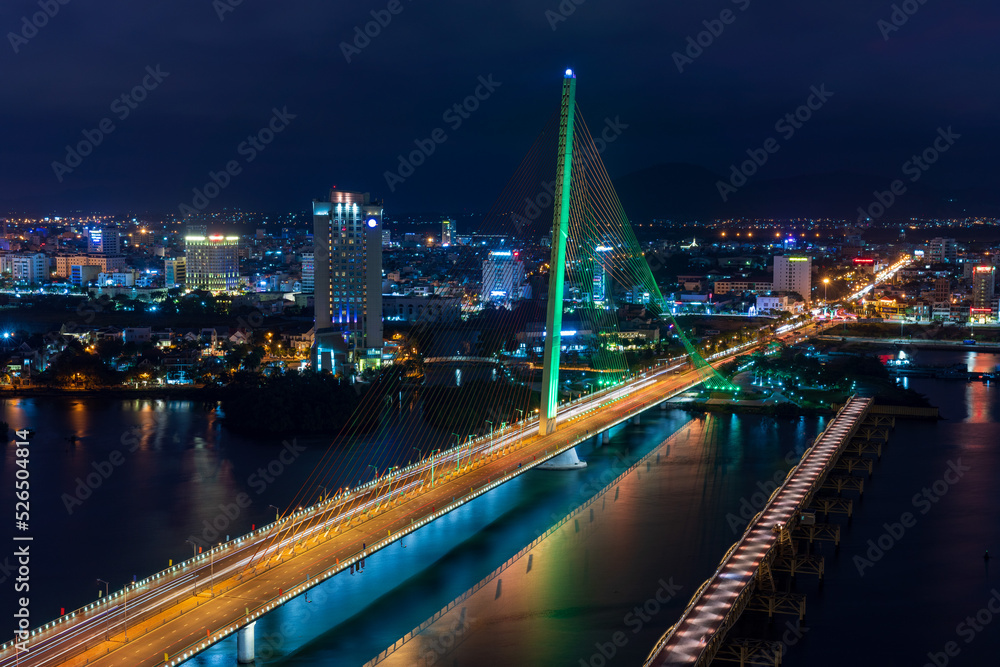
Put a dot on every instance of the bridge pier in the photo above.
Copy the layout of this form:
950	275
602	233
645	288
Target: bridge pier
568	460
244	644
606	437
637	419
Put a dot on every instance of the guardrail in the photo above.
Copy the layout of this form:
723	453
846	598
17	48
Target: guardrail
718	636
165	576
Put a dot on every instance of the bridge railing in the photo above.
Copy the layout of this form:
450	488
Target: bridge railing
650	659
165	576
513	559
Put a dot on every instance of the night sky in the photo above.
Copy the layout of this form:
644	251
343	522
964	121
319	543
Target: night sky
351	119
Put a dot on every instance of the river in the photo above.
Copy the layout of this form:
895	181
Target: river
660	534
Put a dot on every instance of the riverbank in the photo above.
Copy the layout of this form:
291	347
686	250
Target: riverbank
722	405
869	343
189	393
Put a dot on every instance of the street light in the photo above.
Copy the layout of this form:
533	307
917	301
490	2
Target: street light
107	627
826	281
491	435
276	510
211	572
325	492
194	548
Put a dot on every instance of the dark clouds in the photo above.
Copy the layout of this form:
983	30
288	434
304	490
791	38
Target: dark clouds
353	119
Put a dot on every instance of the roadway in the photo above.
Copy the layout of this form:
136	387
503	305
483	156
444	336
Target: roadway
178	609
182	610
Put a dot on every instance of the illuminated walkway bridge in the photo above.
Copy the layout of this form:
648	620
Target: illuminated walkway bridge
697	637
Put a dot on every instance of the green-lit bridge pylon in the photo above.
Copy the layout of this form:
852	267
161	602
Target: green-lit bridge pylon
586	213
557	263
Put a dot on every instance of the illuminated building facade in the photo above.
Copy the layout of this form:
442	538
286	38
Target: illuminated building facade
983	289
31	268
793	273
104	240
447	232
106	263
599	283
503	274
308	273
942	250
175	272
347	259
942	290
212	262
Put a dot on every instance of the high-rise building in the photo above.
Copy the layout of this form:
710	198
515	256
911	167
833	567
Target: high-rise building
793	273
212	262
942	290
503	274
942	250
599	283
447	230
983	287
347	236
175	272
104	240
308	273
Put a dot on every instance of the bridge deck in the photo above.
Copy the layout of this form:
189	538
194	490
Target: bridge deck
185	609
695	638
174	613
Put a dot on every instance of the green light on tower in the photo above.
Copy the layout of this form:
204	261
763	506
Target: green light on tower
557	261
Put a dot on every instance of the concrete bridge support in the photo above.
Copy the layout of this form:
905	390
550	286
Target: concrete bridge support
606	437
244	644
637	419
568	460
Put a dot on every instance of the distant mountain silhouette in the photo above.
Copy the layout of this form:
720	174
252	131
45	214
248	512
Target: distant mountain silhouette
680	192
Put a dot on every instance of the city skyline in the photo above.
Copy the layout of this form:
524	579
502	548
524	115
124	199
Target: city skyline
334	334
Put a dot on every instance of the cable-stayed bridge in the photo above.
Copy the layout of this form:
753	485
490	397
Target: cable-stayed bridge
176	613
